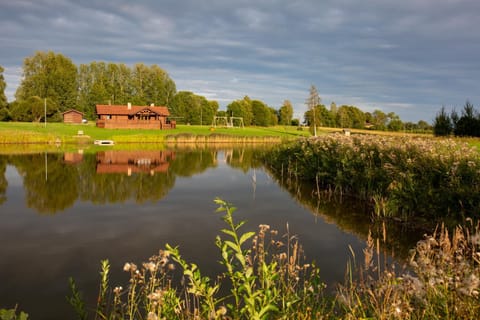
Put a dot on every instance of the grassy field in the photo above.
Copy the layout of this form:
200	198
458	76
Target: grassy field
23	132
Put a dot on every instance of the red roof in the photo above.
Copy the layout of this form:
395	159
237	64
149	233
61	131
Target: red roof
73	110
124	110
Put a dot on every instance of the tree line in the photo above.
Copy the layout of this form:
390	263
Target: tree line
345	116
52	79
465	124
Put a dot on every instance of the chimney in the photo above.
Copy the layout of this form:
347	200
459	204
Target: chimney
129	106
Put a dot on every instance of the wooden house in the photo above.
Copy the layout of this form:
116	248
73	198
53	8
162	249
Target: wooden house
133	117
72	116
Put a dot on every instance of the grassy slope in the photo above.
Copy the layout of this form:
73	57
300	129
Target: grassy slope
23	132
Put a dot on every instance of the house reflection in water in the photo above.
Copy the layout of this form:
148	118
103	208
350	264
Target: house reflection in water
134	161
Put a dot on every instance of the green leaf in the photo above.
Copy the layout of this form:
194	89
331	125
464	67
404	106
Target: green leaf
267	309
240	258
229	232
232	245
245	237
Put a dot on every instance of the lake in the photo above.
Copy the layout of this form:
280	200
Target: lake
63	212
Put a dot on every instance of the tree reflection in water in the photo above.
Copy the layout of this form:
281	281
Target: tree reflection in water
53	182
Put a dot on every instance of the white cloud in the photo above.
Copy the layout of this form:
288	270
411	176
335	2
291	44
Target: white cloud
407	56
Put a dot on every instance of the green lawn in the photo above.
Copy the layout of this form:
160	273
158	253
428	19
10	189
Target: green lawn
26	132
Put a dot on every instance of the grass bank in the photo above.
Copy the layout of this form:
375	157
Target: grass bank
401	177
60	133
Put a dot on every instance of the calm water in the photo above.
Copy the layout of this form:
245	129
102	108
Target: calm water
61	213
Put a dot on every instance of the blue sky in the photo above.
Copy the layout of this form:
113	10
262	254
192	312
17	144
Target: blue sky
410	56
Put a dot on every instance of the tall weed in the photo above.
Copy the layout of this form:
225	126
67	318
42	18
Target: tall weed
399	176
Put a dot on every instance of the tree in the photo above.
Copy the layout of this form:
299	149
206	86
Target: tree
313	100
193	109
394	122
241	108
3	85
33	109
181	106
151	85
102	83
442	125
379	120
273	116
323	117
423	125
49	75
333	108
4	112
286	113
261	114
469	123
350	117
93	87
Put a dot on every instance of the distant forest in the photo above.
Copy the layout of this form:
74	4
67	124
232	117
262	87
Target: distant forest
53	78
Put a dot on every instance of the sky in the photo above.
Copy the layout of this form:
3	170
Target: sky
410	57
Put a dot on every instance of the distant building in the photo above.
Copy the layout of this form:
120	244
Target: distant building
133	117
72	116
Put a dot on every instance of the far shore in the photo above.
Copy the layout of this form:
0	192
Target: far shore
78	134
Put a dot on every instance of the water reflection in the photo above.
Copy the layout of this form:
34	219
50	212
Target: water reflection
128	162
353	216
125	205
53	182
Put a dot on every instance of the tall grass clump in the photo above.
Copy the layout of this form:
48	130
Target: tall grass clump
442	282
399	176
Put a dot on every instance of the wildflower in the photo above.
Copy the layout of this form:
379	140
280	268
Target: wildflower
155	296
150	266
163	261
221	311
264	227
470	285
279	244
164	253
127	267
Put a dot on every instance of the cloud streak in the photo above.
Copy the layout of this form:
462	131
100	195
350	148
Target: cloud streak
409	57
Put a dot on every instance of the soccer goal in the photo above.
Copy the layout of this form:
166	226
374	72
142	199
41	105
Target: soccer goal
232	122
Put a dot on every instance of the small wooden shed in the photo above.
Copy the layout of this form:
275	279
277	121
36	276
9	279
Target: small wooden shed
72	116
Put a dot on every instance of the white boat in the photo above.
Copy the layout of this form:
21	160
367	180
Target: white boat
104	142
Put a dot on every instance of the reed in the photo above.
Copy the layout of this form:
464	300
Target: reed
442	280
401	177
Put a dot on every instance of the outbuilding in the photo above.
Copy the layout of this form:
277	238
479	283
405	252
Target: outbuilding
72	116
